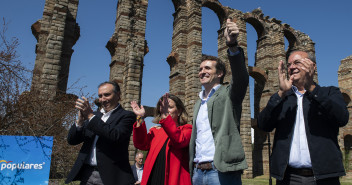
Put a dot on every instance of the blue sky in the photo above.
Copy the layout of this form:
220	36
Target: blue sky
31	153
328	23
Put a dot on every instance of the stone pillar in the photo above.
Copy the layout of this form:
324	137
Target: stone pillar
177	58
127	47
245	127
56	34
270	50
194	53
345	136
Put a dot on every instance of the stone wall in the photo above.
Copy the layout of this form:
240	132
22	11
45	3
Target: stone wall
58	31
127	47
56	34
345	84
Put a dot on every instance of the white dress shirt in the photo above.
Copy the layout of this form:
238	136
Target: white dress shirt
205	148
92	159
139	172
299	154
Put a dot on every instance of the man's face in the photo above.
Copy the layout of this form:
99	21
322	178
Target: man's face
107	97
139	159
207	73
294	66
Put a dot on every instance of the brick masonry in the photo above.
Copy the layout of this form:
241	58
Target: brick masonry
58	31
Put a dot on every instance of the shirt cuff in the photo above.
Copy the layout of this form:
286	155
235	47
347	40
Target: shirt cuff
79	128
230	53
91	117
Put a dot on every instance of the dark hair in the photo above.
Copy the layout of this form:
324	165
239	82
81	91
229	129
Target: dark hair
114	84
220	65
311	55
182	119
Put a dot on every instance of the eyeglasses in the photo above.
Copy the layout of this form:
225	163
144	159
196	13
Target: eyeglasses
296	63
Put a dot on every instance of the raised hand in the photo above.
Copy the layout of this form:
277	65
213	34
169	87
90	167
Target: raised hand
164	106
80	119
139	111
309	68
231	32
284	84
84	107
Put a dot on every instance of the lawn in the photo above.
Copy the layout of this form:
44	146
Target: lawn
264	180
261	180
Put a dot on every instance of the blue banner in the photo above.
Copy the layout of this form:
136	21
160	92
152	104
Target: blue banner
25	160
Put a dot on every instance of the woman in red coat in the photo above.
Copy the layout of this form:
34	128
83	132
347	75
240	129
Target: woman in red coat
167	159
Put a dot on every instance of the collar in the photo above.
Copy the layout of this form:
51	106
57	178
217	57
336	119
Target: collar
212	91
103	111
141	168
295	90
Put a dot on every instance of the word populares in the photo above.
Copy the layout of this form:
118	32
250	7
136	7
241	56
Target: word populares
8	165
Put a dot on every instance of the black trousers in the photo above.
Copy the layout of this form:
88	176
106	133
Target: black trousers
90	176
294	179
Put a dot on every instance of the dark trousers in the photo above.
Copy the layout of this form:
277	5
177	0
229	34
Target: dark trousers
294	179
90	176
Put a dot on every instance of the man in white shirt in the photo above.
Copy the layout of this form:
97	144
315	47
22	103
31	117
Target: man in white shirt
103	158
216	151
137	168
306	119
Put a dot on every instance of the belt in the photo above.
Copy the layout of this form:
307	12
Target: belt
204	165
300	171
93	168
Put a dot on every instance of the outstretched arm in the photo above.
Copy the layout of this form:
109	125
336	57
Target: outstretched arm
240	77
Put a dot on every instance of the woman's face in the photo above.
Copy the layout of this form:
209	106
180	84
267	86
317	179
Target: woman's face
174	113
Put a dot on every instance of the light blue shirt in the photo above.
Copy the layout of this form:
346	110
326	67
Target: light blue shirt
139	172
299	155
205	148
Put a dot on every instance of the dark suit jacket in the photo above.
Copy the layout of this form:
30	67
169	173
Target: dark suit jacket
324	111
134	171
111	147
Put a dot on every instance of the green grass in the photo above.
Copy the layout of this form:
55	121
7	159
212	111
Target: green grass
264	180
260	180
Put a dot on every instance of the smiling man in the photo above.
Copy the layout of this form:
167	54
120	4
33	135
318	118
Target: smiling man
216	152
306	119
103	158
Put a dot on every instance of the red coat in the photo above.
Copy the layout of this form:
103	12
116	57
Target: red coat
177	156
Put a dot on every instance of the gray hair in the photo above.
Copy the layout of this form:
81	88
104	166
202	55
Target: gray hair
311	55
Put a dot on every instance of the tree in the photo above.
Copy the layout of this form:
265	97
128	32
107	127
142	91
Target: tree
24	113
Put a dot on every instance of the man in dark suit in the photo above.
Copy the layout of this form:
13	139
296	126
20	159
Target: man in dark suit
137	168
103	158
306	118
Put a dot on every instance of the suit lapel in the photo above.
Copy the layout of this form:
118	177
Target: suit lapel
116	113
195	111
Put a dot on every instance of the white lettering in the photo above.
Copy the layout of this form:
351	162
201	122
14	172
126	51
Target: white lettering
13	166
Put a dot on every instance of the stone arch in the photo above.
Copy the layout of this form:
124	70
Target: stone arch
346	96
258	74
347	152
257	25
291	38
256	19
178	3
218	9
297	39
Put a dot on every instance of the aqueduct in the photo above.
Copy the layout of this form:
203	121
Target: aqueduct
58	31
